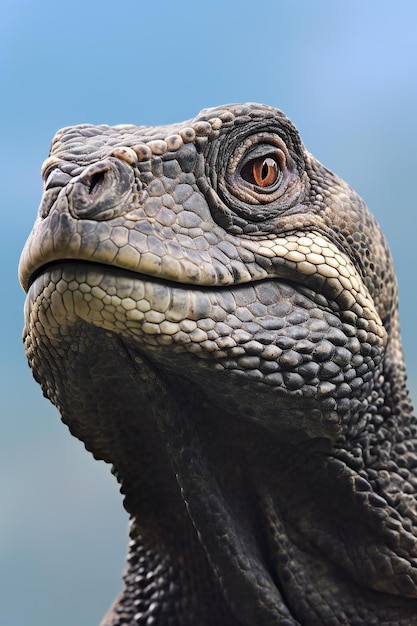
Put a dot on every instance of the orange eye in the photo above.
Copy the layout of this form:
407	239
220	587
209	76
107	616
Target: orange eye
262	172
265	172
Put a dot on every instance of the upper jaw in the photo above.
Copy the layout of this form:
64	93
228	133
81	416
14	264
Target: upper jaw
305	257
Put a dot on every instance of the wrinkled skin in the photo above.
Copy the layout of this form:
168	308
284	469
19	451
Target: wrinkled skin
214	313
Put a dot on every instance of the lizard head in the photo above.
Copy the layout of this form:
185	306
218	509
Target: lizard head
208	296
221	246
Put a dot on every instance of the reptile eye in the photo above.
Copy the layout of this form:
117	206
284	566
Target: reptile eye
263	171
258	171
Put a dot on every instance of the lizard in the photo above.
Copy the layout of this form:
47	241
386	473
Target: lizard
215	314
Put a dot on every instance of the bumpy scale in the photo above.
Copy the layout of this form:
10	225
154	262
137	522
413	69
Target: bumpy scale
214	313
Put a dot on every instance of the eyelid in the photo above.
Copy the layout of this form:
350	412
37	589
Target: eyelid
261	144
265	150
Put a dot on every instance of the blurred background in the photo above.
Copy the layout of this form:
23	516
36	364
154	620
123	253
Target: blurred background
344	72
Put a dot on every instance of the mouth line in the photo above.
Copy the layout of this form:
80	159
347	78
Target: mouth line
325	293
315	296
125	272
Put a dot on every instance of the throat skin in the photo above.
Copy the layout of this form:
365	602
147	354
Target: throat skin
218	529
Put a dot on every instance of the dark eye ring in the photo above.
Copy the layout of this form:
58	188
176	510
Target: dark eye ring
264	171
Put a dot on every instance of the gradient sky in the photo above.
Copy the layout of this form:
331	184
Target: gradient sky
344	72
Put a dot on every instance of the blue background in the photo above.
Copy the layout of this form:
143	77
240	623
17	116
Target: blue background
344	72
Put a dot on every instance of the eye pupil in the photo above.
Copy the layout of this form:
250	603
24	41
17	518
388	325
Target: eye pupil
265	171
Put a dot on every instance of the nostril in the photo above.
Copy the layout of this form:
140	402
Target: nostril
96	177
100	192
95	182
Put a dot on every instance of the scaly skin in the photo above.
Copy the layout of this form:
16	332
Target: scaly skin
214	313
